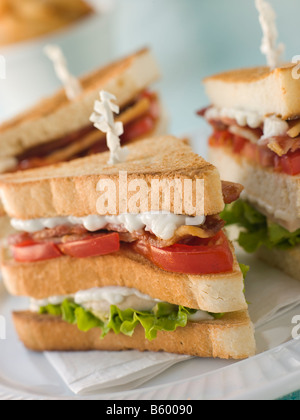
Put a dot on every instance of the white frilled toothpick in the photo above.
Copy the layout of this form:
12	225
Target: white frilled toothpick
269	47
103	119
71	84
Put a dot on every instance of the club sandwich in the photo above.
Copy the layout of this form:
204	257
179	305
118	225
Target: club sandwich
106	271
255	117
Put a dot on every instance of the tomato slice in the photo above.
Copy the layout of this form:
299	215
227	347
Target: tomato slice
290	163
239	144
221	138
198	257
91	246
28	252
155	110
138	128
94	246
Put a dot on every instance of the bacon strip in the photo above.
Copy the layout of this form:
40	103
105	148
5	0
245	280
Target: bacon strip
79	142
282	145
231	191
64	234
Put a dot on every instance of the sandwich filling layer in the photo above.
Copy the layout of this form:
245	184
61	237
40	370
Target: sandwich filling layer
174	243
194	245
264	140
140	118
121	310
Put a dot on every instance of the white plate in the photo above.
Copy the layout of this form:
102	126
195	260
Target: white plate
270	375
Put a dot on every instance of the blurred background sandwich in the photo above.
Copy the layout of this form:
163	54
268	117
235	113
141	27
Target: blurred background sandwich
27	19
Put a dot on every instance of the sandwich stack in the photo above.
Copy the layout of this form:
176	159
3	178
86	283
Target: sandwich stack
256	141
58	130
117	279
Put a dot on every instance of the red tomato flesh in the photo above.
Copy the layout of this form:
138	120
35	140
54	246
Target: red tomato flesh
35	252
289	163
94	246
239	144
91	246
198	257
138	128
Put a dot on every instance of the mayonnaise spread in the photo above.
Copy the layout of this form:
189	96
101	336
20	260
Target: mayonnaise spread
272	125
99	300
163	225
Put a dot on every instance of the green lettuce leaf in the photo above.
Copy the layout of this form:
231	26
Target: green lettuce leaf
257	231
164	317
51	310
217	316
244	269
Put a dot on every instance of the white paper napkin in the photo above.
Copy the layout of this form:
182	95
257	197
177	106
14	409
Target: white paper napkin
93	372
270	294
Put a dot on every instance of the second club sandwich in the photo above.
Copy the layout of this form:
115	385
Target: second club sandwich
255	115
145	280
58	130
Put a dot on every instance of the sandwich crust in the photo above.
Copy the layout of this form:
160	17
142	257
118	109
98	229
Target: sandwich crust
229	338
63	276
259	89
70	189
248	75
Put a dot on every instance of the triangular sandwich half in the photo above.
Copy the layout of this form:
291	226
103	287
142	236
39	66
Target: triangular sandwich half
160	279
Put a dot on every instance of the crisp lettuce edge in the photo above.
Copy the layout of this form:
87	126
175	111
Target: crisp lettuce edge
164	317
257	231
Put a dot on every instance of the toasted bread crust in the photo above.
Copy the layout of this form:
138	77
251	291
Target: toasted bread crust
249	75
64	276
229	338
259	89
47	120
71	188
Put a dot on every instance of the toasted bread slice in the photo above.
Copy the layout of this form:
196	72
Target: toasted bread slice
71	188
216	293
276	195
229	338
260	90
56	117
